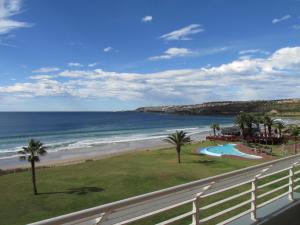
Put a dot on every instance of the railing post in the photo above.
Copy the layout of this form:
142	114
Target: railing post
196	211
291	182
196	205
253	199
254	193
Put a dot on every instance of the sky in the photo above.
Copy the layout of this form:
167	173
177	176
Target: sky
107	55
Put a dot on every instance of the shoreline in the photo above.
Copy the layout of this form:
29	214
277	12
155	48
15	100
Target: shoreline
80	155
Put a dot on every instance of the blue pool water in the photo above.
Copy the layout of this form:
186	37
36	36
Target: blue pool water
226	149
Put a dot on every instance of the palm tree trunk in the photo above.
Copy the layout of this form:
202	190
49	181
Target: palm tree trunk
295	149
33	177
266	138
214	131
178	154
280	133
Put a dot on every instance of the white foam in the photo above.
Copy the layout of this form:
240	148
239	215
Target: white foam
91	142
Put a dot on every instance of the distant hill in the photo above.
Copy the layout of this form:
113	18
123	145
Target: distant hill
287	107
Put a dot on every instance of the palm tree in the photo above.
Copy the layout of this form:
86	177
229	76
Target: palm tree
179	138
249	120
294	131
240	121
279	125
214	127
31	153
257	120
268	122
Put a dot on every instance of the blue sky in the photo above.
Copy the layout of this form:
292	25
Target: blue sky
115	55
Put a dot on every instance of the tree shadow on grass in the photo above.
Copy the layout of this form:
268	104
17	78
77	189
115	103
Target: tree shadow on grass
205	161
77	191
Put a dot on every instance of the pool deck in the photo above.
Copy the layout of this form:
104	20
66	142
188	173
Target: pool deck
247	150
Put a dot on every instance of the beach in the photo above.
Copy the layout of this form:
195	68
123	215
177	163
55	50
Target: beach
78	136
78	155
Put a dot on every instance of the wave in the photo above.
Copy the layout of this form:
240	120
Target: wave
88	142
183	129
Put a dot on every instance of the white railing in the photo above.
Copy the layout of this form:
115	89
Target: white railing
98	215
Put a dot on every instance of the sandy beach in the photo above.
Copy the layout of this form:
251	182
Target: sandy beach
78	155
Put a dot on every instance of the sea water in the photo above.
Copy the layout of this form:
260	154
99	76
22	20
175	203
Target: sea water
73	130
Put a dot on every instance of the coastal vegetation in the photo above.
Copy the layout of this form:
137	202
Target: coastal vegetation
70	188
179	139
283	107
279	127
215	127
274	132
32	154
295	132
240	122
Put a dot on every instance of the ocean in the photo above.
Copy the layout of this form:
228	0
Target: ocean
72	130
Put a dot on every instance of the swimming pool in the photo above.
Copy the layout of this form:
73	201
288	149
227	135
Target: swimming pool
226	149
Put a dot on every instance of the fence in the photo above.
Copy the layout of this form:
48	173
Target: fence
256	192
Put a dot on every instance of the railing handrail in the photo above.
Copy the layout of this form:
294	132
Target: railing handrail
94	211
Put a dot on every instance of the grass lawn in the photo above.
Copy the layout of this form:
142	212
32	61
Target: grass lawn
70	188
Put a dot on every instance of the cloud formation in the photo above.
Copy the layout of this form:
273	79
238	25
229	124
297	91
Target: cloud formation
9	8
277	20
108	49
75	64
253	51
40	77
147	19
183	33
185	52
92	64
173	53
46	70
273	76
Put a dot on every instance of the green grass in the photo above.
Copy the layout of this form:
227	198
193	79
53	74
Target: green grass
70	188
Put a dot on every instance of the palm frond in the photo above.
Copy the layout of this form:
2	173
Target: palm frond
22	158
42	151
25	149
22	152
36	158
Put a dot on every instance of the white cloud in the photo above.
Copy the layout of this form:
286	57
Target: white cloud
92	64
147	19
75	64
277	20
241	79
296	27
253	51
46	70
173	53
43	87
9	8
40	77
183	33
184	52
108	49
